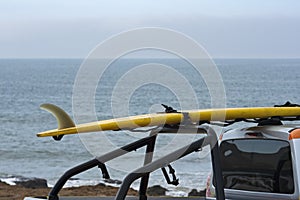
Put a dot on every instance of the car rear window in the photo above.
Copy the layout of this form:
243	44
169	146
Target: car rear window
256	164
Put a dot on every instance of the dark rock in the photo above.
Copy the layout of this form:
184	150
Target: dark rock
101	184
33	183
156	190
195	193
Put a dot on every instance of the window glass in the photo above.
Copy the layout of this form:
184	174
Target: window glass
257	165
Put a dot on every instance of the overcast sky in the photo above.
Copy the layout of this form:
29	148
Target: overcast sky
226	28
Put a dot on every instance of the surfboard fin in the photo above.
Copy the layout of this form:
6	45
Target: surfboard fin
63	119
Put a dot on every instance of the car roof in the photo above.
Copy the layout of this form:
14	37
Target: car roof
269	131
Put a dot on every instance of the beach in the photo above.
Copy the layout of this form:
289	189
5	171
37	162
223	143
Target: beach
15	192
19	192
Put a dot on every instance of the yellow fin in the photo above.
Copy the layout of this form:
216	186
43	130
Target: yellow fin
63	119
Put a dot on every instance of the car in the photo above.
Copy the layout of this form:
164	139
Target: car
259	162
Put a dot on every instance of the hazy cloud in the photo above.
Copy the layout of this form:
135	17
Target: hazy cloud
225	28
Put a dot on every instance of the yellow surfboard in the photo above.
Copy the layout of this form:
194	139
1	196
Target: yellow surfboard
66	125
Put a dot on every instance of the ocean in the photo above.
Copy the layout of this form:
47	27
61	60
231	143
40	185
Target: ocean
25	84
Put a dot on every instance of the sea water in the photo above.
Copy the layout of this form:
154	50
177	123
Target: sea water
25	84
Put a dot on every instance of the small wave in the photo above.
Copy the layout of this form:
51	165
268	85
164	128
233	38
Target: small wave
10	180
177	193
79	182
76	182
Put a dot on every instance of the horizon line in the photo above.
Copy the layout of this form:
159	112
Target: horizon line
78	58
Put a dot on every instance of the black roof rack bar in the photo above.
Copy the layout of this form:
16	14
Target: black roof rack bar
148	159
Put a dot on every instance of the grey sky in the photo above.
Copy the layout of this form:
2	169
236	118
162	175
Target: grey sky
227	28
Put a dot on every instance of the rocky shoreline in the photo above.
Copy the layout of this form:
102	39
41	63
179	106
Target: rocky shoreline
38	188
18	192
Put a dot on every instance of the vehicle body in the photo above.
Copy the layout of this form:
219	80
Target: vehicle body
260	162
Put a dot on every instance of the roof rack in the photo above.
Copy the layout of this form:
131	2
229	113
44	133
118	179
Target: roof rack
149	165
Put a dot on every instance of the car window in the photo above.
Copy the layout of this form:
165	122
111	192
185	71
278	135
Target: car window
257	164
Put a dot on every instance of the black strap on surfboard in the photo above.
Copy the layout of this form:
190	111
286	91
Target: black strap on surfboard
288	104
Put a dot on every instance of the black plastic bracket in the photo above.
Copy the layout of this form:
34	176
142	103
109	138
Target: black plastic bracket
169	109
58	137
175	180
288	104
105	174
